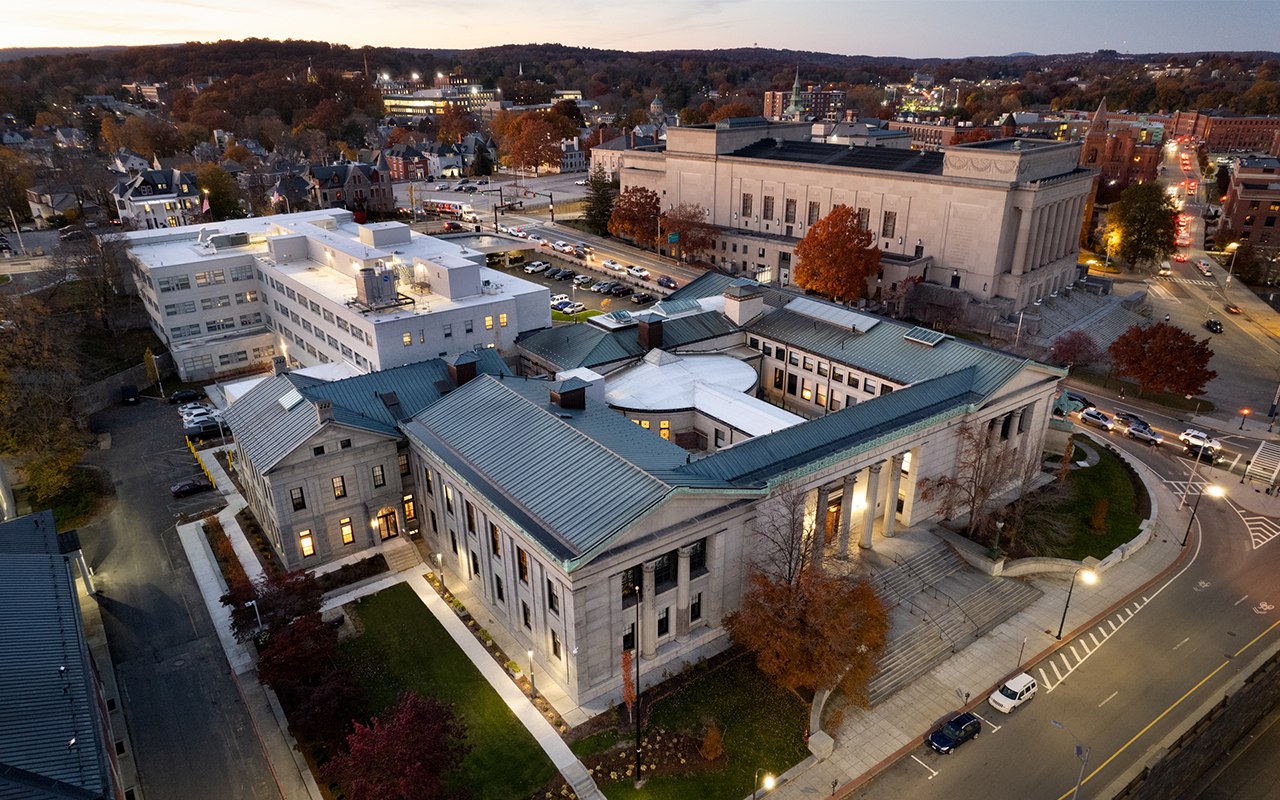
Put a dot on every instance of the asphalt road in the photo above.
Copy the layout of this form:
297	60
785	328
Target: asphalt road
1174	646
192	735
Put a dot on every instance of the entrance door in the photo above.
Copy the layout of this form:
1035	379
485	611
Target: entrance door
387	527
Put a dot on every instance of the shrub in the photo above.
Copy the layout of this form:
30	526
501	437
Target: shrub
514	667
1099	520
354	572
485	636
834	721
712	746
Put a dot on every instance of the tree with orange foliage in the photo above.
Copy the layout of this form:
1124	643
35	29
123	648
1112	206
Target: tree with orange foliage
837	256
628	682
454	123
635	214
730	111
971	136
689	220
537	145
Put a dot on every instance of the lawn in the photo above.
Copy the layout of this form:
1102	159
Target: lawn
402	647
1108	479
590	312
1166	399
763	727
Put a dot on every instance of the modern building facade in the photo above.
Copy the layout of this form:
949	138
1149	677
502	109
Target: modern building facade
315	287
1253	201
999	219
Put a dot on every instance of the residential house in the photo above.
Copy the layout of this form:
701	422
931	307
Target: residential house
158	198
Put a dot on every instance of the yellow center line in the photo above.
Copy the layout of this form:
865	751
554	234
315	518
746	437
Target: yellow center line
1170	708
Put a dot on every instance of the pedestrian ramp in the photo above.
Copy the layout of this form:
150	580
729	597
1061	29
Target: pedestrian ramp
1265	464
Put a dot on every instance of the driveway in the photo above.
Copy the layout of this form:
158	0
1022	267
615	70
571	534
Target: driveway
192	735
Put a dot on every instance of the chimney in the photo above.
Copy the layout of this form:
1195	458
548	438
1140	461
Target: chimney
462	371
279	365
324	410
743	304
650	332
569	394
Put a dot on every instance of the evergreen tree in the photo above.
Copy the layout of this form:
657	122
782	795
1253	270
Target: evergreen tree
599	202
483	165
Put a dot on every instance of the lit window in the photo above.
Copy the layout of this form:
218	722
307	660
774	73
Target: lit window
471	516
306	543
448	498
495	540
523	558
488	323
407	339
339	487
664	429
348	533
403	460
555	644
502	320
410	511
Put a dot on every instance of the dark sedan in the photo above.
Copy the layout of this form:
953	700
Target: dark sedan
955	732
185	396
663	280
620	290
641	297
566	274
1213	326
193	486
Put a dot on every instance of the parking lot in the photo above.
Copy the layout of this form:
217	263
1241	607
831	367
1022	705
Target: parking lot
583	294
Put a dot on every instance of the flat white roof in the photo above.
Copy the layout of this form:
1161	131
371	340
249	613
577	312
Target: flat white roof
742	411
665	382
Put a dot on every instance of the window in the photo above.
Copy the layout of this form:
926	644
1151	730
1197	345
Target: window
835	401
837	375
853	380
345	444
767	208
197	362
777	378
695	608
555	644
315	307
448	331
780	353
502	320
453	542
497	588
488	323
885	389
632	587
525	615
1253	205
471	516
1269	222
789	211
664	571
428	482
1249	219
629	637
293	315
808	364
251	319
698	557
495	540
746	205
175	284
379	479
328	316
813	212
346	351
302	301
224	324
448	498
210	278
339	487
664	621
869	386
719	438
767	349
466	326
890	222
318	450
553	597
342	324
332	341
475	564
864	219
306	326
794	360
307	544
791	384
434	529
260	353
806	389
299	502
822	369
407	339
522	559
820	395
664	429
348	533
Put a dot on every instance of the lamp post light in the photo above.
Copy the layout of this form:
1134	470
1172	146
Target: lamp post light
440	563
1194	466
1244	414
256	613
533	692
1082	753
1234	247
1088	576
1216	491
756	785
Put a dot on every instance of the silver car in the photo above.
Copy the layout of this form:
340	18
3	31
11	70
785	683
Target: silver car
1145	434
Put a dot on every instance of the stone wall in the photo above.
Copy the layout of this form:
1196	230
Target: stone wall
97	396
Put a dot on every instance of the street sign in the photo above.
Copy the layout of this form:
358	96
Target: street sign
672	238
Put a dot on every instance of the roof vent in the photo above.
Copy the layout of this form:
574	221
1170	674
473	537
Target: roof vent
925	336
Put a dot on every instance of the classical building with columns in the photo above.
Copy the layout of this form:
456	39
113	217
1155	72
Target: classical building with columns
999	219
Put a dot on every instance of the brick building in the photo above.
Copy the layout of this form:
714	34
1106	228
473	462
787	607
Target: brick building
1253	201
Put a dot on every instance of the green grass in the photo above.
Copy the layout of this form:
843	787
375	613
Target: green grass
1166	399
590	312
1105	479
5	279
762	724
404	647
595	743
75	504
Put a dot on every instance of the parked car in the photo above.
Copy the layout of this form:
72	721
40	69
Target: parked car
1124	419
668	282
202	430
1145	433
553	272
642	297
638	272
190	487
955	732
1092	416
185	396
579	183
482	182
584	279
536	266
558	298
1081	399
566	274
600	286
612	264
561	306
74	233
1204	455
620	290
187	408
1013	693
1198	438
1213	325
573	308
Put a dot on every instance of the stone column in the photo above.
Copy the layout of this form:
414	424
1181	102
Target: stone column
869	513
818	543
846	514
1045	242
1033	245
891	497
648	615
1064	219
1077	224
682	594
1022	242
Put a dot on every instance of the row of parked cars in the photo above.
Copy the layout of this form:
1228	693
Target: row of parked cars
1195	443
966	725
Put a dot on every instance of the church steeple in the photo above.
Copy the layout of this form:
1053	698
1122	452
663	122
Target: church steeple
1099	123
796	109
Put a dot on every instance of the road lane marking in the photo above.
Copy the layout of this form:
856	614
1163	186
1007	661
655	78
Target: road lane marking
1095	640
1054	664
1108	700
1085	645
1172	707
932	774
1072	648
1113	626
1181	643
1241	600
1044	681
994	727
1261	529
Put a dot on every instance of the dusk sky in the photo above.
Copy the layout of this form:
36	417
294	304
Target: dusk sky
911	28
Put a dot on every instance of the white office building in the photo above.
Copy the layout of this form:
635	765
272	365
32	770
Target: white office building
316	288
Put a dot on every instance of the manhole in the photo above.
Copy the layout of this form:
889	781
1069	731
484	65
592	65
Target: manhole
179	663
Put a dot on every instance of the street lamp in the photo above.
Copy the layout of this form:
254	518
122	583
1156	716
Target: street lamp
256	613
1082	753
440	562
533	693
1088	576
1234	247
1216	491
755	783
1244	414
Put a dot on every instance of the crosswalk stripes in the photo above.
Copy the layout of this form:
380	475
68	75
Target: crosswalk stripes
1265	464
1071	659
1178	487
1261	529
1191	281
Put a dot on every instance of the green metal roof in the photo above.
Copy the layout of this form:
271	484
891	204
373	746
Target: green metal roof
586	345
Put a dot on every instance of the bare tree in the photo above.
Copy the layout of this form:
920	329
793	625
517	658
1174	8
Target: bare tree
983	469
1036	513
782	530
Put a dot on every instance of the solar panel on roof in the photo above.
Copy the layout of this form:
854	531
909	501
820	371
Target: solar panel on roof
833	314
290	399
924	336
